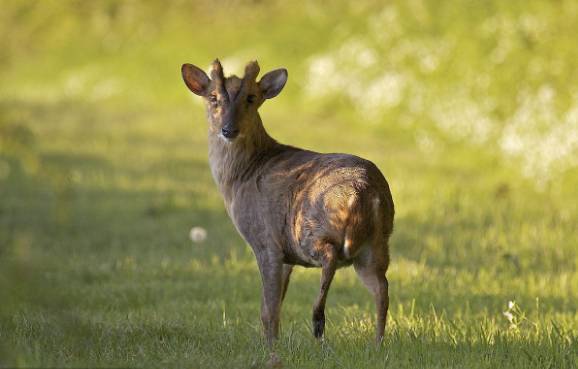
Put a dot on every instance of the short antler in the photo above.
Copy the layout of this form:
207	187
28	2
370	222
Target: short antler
251	71
218	76
217	71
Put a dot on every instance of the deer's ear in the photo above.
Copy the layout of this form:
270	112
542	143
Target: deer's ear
195	79
273	82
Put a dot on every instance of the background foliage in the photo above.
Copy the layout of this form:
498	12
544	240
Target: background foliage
469	108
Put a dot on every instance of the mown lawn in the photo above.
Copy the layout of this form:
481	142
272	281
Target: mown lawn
470	110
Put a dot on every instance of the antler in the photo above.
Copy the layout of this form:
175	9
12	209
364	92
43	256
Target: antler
218	76
251	71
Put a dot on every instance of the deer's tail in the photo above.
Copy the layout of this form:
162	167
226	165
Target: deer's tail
364	219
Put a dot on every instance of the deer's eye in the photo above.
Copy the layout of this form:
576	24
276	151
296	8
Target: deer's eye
251	99
213	99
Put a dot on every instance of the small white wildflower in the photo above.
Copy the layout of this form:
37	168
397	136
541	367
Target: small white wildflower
509	316
198	234
511	304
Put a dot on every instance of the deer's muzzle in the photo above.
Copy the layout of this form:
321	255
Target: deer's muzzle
229	133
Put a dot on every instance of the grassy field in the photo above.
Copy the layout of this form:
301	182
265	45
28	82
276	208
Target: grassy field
470	109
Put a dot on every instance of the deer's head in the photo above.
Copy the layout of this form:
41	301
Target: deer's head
232	102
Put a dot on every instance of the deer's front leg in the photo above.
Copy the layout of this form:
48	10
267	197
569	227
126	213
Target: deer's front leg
271	268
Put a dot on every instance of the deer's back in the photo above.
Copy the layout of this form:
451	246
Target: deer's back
295	198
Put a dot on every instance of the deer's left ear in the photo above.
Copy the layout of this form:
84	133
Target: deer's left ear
273	82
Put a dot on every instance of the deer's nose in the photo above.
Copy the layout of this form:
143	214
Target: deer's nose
229	133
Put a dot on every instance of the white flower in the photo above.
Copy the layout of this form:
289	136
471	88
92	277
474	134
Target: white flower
509	316
511	304
198	234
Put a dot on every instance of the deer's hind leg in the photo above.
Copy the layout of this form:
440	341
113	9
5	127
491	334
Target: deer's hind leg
371	265
328	267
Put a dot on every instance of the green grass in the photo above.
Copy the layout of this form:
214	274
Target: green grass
103	172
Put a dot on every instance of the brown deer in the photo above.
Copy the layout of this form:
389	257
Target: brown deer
293	206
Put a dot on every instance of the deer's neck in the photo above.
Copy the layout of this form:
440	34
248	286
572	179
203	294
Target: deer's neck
236	161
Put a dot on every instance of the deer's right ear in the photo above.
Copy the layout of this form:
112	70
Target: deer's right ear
195	79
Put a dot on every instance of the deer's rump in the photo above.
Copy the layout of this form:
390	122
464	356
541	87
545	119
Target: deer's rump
331	200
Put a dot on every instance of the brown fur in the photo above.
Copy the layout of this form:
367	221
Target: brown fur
294	206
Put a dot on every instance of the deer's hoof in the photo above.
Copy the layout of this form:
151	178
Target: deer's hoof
318	324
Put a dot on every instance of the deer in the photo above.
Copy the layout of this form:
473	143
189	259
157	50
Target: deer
293	206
